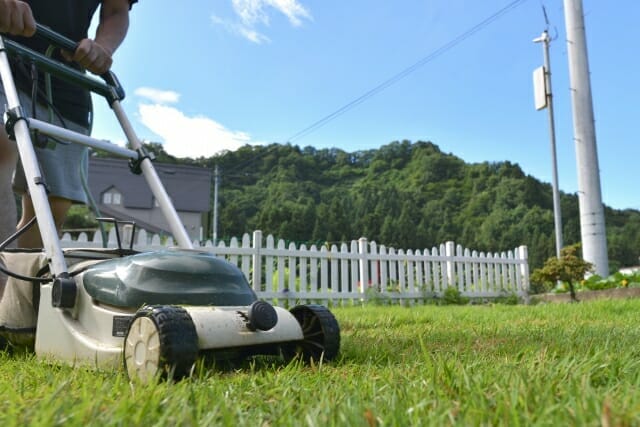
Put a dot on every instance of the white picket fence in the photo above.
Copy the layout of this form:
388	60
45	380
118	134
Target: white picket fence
357	272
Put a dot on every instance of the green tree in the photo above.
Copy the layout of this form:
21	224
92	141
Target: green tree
569	268
403	194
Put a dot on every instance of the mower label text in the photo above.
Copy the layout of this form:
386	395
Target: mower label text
121	325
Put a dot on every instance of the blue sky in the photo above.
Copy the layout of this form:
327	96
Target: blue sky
217	74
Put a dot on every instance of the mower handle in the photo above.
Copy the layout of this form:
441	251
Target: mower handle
56	39
65	43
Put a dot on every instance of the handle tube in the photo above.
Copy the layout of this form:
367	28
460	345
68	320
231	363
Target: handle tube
65	43
55	39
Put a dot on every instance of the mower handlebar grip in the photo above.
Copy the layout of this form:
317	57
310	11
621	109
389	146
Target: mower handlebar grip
55	39
65	43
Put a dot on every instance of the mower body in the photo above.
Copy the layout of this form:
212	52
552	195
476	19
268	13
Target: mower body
217	314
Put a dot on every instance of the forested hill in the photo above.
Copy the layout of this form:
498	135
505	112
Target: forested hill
405	195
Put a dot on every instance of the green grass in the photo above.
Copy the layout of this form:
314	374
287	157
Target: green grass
561	364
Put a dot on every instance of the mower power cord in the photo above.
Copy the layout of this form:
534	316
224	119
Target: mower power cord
6	243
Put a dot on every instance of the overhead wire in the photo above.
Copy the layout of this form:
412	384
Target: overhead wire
404	73
390	81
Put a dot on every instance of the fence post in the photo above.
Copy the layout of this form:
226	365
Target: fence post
364	267
524	269
256	276
460	268
127	235
451	266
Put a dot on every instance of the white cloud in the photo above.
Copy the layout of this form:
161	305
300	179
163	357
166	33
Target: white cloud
185	136
241	30
158	96
292	9
251	12
253	35
254	13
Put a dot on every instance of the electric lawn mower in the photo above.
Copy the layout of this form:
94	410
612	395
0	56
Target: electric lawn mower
153	312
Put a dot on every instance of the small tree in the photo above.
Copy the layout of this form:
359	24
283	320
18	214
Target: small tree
79	216
569	268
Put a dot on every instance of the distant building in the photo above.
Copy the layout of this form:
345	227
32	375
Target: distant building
630	270
123	195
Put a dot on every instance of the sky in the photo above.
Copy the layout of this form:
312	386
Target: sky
214	75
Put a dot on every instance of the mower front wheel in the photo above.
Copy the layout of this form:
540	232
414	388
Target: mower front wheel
161	341
321	334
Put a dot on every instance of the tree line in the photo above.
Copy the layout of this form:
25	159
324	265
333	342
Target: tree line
407	195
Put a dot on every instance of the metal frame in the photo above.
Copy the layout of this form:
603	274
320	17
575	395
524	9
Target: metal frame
20	124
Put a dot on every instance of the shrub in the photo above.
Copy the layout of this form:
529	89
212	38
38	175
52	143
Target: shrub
508	299
569	268
452	296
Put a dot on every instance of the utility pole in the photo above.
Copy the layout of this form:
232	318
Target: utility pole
214	221
592	225
547	102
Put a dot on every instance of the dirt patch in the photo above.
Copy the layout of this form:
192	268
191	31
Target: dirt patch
617	293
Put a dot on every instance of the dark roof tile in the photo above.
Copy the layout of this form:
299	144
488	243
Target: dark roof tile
188	186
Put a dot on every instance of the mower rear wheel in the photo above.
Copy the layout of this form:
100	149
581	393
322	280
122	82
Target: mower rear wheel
321	334
161	341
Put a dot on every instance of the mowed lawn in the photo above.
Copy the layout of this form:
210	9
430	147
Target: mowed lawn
550	365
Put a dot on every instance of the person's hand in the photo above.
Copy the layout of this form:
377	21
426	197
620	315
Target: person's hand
16	18
92	56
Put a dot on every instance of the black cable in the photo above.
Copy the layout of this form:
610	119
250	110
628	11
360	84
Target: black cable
404	73
17	234
6	243
120	253
37	90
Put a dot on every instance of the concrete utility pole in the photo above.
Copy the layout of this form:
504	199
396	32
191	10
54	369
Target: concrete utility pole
214	221
592	226
548	104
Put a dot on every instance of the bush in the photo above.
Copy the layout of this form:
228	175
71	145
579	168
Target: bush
80	217
536	287
509	299
568	269
597	283
592	283
452	296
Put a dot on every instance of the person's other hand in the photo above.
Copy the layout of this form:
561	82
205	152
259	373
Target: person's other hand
16	18
92	56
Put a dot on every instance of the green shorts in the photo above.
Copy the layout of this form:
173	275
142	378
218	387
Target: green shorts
61	165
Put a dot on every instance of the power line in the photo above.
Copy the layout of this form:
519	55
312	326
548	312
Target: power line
386	83
404	73
253	159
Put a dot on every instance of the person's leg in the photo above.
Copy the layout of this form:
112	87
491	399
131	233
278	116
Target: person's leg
8	158
31	238
60	167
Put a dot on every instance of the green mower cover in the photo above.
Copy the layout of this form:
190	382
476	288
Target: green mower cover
175	277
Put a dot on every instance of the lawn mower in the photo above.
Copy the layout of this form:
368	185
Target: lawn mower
155	313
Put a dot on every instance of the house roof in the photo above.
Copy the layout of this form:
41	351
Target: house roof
189	187
107	212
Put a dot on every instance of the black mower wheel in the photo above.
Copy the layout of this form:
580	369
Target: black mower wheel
321	334
161	341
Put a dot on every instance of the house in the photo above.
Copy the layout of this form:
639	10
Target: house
123	195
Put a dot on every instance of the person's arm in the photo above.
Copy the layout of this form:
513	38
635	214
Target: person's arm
16	18
96	55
